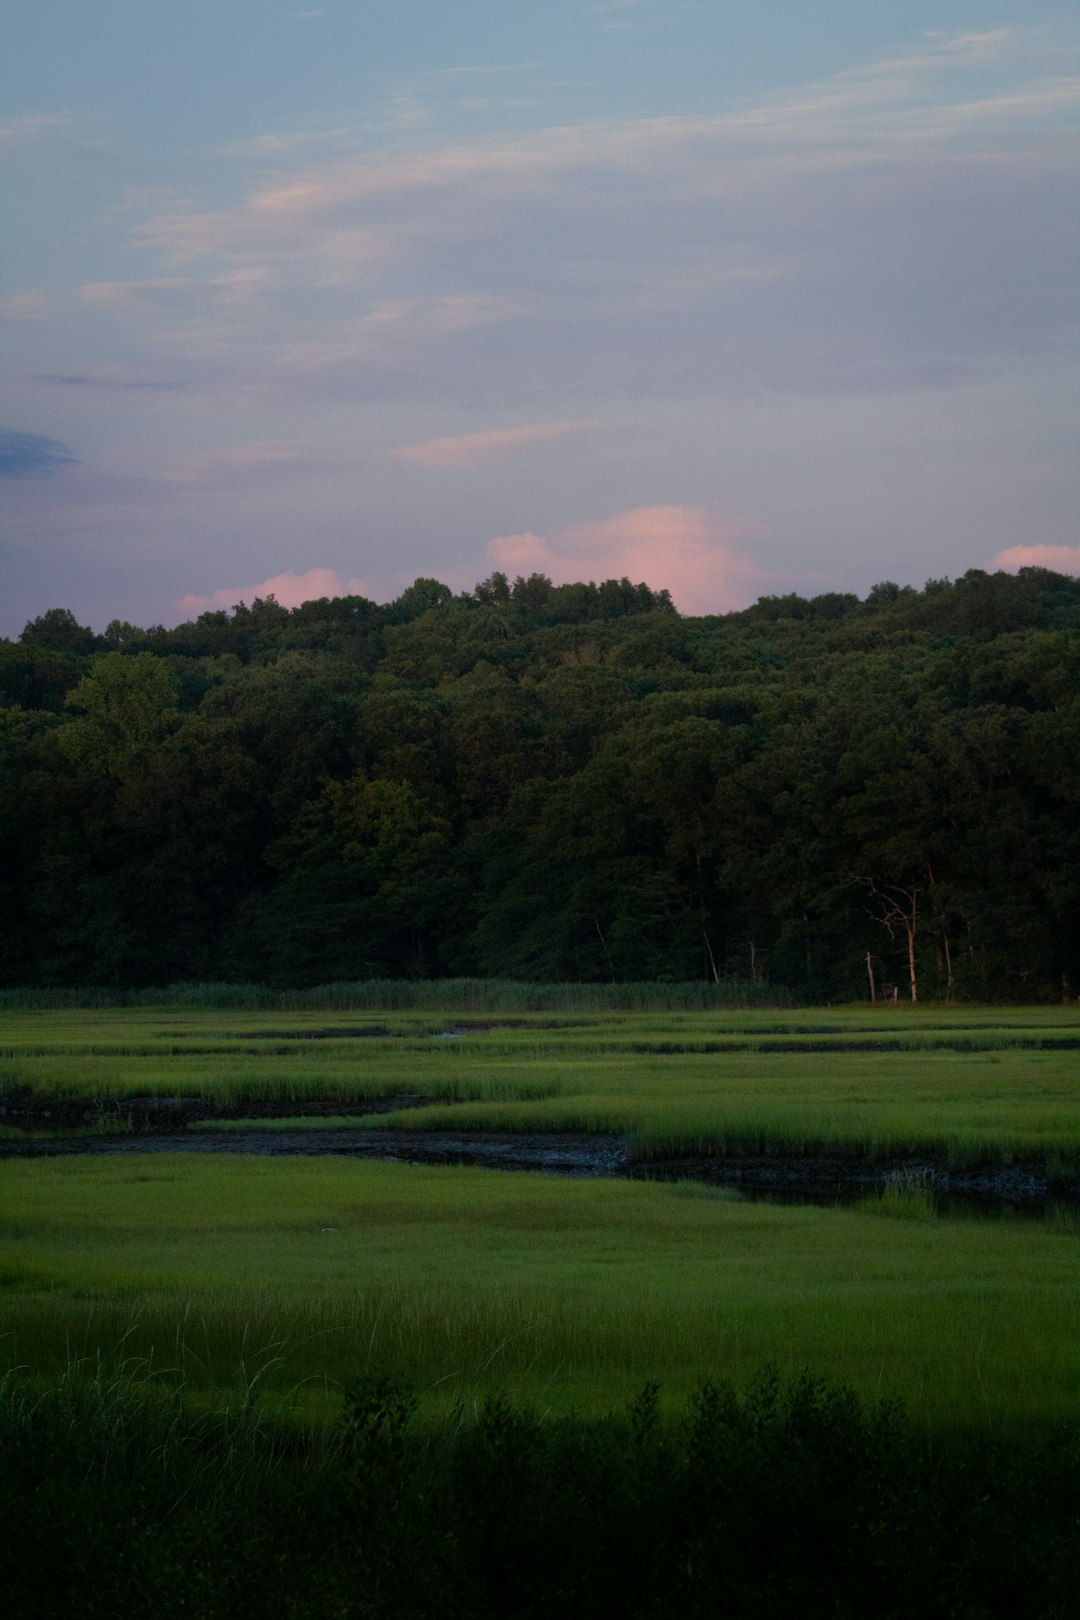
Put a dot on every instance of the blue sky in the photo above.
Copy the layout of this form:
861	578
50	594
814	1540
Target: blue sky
734	298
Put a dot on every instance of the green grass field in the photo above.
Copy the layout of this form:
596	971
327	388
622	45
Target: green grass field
973	1083
301	1273
562	1292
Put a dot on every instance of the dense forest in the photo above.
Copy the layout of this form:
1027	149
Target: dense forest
554	782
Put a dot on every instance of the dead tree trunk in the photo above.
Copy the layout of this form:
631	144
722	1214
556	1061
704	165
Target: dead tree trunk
898	913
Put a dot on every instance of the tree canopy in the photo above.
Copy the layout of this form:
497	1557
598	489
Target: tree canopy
541	781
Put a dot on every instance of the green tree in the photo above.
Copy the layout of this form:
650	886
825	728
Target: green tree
127	703
360	887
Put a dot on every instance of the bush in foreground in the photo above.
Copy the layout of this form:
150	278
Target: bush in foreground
790	1499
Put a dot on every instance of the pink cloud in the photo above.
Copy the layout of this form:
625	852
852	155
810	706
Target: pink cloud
26	306
236	287
289	589
473	449
854	117
686	550
29	125
1062	559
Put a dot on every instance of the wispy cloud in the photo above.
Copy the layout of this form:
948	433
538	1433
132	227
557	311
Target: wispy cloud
395	338
860	197
29	126
290	590
279	143
26	306
477	449
112	377
904	98
688	550
234	287
248	463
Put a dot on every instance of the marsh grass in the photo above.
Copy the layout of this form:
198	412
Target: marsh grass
564	1293
704	1189
907	1195
186	1329
779	1496
1064	1219
429	995
673	1082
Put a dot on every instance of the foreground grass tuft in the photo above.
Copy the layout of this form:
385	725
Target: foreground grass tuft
788	1498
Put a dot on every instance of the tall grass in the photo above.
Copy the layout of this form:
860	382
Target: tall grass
784	1498
420	995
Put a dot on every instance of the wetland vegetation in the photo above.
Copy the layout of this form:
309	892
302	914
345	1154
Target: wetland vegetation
964	1085
791	1498
207	1354
561	1290
267	1327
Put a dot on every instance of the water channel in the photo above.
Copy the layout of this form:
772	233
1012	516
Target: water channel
1018	1188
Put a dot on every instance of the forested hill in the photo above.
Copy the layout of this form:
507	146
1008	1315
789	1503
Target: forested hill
543	782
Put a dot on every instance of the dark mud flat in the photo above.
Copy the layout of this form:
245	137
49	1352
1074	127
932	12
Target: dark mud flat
557	1153
959	1043
62	1115
845	1180
835	1179
364	1032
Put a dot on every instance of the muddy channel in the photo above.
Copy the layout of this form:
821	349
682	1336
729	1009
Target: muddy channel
173	1126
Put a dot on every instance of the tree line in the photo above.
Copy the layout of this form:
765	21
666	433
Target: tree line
853	798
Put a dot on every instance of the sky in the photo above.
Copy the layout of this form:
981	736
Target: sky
735	297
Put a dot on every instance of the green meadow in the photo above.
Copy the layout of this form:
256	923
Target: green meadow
302	1274
294	1275
973	1083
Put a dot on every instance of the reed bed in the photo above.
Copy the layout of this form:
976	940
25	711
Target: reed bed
427	995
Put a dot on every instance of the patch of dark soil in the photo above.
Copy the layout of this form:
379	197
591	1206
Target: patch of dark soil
29	1110
353	1032
1049	1043
558	1153
333	1033
845	1179
866	1029
260	1108
158	1125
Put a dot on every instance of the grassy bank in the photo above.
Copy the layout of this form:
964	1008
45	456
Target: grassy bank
972	1084
566	1293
